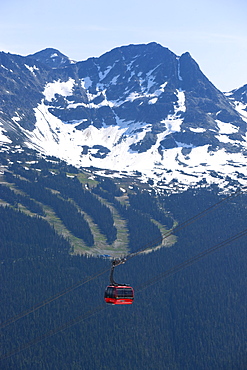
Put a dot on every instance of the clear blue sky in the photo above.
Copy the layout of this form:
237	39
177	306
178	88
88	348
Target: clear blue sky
213	31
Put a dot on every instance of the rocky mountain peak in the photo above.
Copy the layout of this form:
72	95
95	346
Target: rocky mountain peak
239	94
135	108
52	58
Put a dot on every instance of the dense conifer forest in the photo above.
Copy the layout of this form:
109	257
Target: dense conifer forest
192	319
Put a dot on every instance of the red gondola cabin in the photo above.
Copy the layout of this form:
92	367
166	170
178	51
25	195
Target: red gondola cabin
119	294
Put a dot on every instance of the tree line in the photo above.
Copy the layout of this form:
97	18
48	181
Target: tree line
65	210
143	232
15	199
89	203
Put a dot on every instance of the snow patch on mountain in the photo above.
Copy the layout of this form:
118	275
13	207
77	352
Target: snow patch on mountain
179	75
86	82
32	69
197	129
180	106
3	137
241	109
102	75
153	101
226	127
17	117
53	137
64	88
108	147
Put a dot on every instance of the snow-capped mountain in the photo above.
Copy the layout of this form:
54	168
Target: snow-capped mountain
136	110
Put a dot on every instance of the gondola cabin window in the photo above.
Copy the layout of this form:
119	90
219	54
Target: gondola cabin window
124	293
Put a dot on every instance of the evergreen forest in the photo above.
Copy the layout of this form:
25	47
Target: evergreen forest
53	315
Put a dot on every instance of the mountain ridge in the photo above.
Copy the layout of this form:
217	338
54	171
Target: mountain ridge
137	109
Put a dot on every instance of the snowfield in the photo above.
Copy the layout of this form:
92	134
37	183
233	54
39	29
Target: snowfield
134	111
54	137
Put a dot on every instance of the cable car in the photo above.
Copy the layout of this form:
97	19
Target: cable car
118	293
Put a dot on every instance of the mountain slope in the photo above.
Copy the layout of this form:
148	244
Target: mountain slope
53	300
97	216
137	109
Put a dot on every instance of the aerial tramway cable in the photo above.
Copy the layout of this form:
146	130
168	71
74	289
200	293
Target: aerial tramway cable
192	260
187	222
49	300
54	331
127	257
102	307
